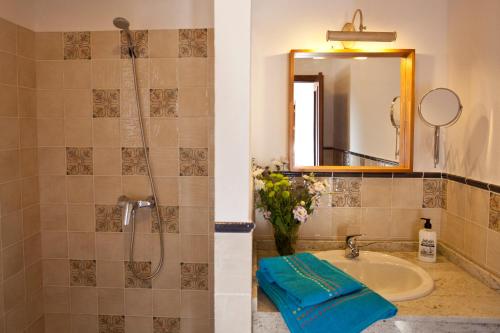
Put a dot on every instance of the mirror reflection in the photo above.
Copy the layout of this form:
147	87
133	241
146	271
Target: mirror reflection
347	111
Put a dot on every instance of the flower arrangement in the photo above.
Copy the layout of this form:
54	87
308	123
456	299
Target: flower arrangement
286	203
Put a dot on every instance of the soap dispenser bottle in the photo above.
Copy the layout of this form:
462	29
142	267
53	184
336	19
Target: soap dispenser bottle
427	242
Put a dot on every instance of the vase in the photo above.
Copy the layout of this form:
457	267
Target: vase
285	240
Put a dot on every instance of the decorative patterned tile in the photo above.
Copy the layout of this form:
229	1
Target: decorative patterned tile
166	325
434	195
169	219
143	268
108	218
494	212
83	272
106	103
79	161
111	324
140	40
163	102
134	161
193	161
77	45
346	192
192	43
194	276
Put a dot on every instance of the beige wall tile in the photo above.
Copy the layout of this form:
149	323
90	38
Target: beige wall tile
164	133
25	42
163	73
375	223
26	72
376	192
29	162
109	246
81	245
14	291
56	299
111	301
82	323
166	303
164	162
13	261
193	191
107	189
57	323
193	132
407	193
195	304
193	72
318	225
456	198
194	220
163	43
128	104
345	221
193	102
77	74
80	189
172	250
168	191
28	128
49	46
138	324
169	277
9	165
32	249
49	74
105	44
52	189
53	217
83	300
452	232
12	229
105	74
33	277
8	101
31	221
52	161
8	36
78	103
136	186
10	196
106	132
55	272
475	243
78	132
127	74
107	161
50	103
493	251
130	132
138	302
477	205
110	274
194	248
8	68
54	245
405	224
27	102
81	217
30	191
9	133
50	132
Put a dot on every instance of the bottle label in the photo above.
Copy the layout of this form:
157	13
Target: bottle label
427	248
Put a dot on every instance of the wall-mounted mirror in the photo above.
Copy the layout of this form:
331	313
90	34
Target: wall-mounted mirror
440	107
351	110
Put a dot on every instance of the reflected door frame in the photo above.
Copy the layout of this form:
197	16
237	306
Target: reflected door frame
318	113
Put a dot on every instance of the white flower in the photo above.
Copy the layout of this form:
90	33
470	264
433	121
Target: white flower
319	187
259	184
306	177
257	172
300	214
267	215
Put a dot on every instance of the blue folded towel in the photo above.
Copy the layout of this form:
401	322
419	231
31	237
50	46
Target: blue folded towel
349	313
307	280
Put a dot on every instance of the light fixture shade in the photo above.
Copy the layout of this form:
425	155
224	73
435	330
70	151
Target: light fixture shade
365	36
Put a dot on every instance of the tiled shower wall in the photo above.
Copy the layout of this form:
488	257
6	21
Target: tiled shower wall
81	122
21	297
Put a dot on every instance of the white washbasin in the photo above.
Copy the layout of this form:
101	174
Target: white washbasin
393	278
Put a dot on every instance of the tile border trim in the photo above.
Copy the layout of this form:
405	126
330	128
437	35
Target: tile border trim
234	227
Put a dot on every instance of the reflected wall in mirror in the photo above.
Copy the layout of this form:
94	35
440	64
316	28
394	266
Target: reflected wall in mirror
351	110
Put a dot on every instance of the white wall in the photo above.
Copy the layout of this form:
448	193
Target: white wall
281	25
472	145
77	15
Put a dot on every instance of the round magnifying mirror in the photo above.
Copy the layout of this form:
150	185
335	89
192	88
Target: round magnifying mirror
395	114
440	107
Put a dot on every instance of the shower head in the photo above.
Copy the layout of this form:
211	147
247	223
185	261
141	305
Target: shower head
121	23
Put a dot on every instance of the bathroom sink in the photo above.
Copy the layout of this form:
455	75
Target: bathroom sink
393	278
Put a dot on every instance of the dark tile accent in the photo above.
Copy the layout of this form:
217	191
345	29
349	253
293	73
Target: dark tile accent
294	173
346	192
169	219
79	161
458	179
494	222
82	272
111	324
347	174
134	161
166	325
140	39
434	193
194	276
377	175
193	161
108	218
408	175
476	183
77	45
323	174
106	103
433	175
143	268
494	188
234	227
192	43
163	102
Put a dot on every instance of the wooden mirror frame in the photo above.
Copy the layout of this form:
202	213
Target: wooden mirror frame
407	96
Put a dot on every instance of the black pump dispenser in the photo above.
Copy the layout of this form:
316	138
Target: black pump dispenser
427	224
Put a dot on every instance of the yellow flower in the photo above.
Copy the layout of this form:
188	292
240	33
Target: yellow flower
285	194
271	194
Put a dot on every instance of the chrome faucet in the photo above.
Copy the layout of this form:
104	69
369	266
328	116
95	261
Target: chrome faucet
130	206
351	247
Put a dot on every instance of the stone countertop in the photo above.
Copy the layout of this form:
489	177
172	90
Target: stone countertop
456	294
